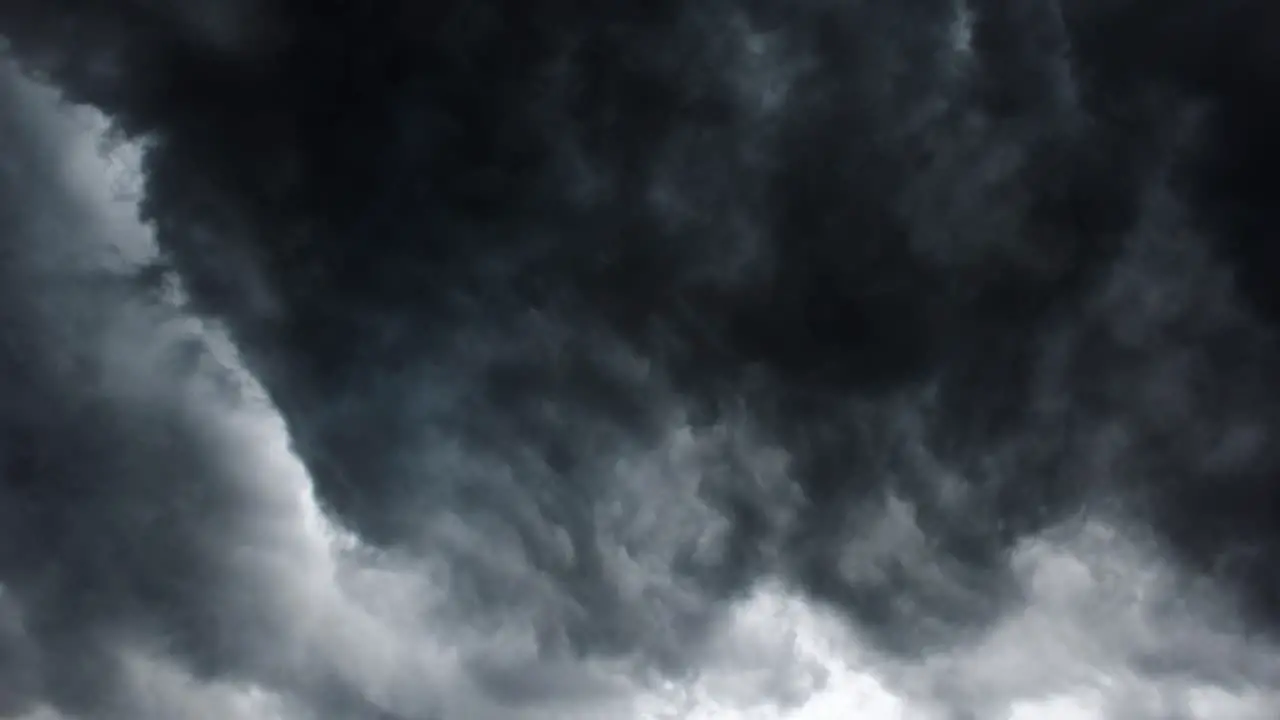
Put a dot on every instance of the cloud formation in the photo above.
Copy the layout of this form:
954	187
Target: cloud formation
528	360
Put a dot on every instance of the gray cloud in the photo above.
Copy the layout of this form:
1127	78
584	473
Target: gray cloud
769	363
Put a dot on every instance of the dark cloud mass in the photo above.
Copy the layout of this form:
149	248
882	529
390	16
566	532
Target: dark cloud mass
549	359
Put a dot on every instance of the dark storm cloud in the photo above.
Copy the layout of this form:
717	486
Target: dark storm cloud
163	556
614	309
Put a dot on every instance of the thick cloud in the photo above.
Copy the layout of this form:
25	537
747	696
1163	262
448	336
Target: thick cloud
536	360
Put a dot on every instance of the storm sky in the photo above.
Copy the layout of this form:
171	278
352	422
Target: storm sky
552	360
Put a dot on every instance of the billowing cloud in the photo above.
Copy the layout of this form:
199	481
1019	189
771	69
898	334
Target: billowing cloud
517	360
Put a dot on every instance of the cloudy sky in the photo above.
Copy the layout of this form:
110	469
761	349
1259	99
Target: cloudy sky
653	361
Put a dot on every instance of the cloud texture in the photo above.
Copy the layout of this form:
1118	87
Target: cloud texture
554	360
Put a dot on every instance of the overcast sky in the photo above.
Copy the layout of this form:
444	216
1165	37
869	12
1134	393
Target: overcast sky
683	361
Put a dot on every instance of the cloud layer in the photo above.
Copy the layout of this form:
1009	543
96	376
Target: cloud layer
526	360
